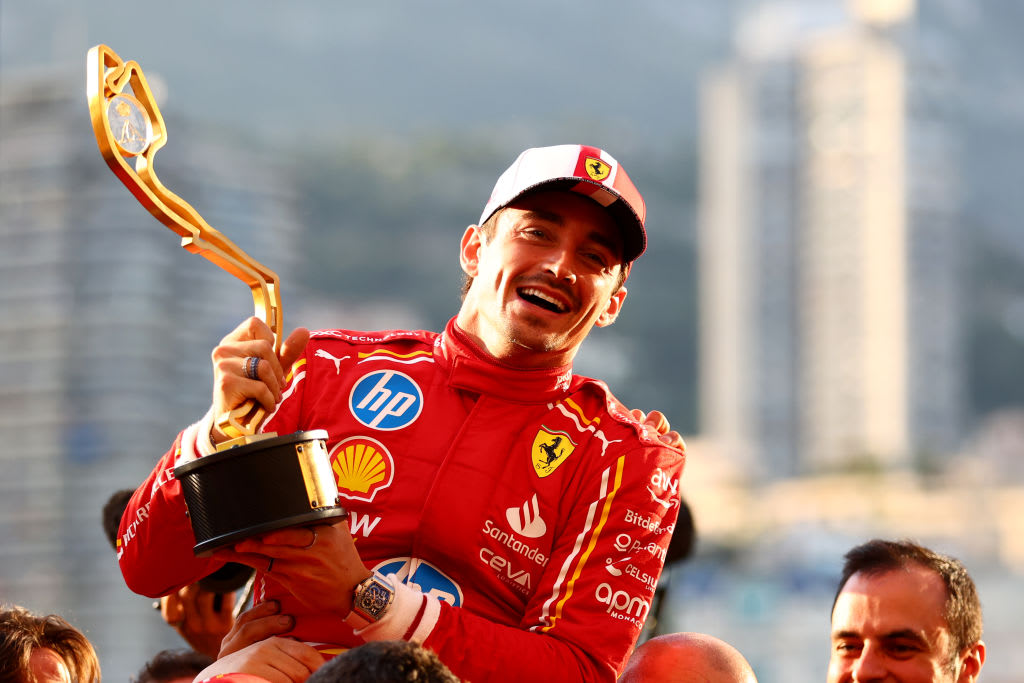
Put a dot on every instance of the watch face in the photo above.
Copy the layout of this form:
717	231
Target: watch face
374	598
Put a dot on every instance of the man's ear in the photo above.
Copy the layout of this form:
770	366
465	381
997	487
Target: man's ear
972	661
469	250
611	312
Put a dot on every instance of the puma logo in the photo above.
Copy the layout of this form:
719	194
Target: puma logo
320	353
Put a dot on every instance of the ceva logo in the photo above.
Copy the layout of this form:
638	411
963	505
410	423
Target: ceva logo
386	400
526	521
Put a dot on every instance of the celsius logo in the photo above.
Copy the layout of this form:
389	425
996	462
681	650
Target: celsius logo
423	576
526	521
386	400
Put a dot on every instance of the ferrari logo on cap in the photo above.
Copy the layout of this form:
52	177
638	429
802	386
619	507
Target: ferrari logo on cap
597	169
550	449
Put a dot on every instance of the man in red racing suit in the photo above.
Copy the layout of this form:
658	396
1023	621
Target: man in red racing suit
519	515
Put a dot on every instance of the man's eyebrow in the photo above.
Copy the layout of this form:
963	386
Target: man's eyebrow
845	634
905	634
543	215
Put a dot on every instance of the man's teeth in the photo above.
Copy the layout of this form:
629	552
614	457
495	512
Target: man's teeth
557	305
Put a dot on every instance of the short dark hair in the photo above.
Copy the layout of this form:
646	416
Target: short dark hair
385	661
962	609
22	633
168	665
487	231
113	511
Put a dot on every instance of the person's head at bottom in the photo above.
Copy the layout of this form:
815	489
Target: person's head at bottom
173	666
690	657
44	649
905	613
384	661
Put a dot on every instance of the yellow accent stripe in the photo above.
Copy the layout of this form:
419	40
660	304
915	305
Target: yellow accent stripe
295	368
590	546
579	411
386	352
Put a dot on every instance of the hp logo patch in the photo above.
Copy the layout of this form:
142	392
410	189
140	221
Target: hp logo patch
386	400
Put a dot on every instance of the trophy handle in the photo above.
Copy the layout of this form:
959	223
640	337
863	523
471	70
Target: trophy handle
140	133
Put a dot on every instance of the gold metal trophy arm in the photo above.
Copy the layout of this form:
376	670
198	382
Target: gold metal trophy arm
130	125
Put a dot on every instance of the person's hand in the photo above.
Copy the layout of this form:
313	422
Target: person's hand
319	565
279	660
231	386
659	423
257	623
199	617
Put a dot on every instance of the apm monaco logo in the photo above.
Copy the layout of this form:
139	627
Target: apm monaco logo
597	169
550	450
362	467
386	400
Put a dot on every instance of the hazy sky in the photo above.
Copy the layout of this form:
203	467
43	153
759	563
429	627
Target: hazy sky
326	66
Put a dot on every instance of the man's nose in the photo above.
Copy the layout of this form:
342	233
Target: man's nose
559	263
870	666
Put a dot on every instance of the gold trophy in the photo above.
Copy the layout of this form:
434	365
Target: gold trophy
254	483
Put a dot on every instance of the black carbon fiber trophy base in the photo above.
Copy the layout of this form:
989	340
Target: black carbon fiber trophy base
259	487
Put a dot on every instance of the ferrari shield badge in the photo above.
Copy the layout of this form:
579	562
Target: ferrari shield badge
597	169
550	449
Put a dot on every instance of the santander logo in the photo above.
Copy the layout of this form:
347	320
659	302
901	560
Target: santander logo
526	520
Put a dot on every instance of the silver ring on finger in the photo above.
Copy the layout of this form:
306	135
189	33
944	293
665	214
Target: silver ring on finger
312	542
251	366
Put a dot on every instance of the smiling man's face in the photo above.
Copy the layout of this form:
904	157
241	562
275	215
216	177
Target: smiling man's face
891	626
550	273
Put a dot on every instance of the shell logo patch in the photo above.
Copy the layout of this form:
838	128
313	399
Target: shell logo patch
362	467
550	450
597	169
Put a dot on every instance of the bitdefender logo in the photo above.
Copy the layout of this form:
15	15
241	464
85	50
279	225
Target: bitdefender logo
526	520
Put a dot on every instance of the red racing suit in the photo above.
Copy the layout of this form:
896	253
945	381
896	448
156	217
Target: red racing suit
524	514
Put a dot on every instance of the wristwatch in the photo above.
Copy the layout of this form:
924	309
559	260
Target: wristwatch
370	601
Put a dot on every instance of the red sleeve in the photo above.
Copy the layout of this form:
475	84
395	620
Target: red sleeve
582	621
155	539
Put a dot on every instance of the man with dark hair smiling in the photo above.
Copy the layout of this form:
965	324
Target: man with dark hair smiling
905	613
511	515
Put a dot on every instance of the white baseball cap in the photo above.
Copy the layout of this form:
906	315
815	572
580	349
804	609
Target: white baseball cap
585	170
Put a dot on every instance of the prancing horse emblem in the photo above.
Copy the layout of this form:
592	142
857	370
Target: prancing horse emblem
550	449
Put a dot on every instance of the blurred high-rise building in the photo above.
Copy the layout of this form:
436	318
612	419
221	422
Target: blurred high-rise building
831	332
106	326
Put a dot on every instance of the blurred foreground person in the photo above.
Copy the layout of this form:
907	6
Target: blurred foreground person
173	666
274	660
385	661
687	658
44	649
905	613
511	515
202	612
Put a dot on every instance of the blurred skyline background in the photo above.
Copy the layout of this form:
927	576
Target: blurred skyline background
831	308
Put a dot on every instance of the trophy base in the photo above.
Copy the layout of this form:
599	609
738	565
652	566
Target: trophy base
249	490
